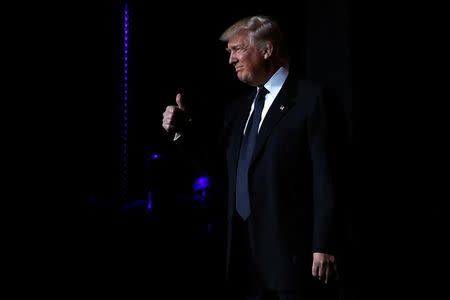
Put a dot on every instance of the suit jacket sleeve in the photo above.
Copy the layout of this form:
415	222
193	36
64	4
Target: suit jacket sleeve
325	233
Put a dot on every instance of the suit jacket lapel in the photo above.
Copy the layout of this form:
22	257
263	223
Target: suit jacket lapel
280	106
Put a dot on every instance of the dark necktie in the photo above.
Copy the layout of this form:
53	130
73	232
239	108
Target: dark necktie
246	154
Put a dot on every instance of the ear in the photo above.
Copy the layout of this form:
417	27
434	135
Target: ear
268	50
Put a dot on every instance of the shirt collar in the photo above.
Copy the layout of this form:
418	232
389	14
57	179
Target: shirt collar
277	80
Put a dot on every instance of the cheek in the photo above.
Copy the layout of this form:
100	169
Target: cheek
252	66
245	60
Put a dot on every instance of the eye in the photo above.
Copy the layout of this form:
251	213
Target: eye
240	49
235	49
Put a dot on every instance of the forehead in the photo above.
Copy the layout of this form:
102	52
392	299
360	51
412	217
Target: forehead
238	39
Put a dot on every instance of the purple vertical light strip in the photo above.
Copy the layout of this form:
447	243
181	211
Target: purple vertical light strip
124	166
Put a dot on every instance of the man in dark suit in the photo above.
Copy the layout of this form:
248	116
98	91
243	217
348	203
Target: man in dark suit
282	220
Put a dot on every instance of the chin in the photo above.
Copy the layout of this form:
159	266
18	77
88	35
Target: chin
243	78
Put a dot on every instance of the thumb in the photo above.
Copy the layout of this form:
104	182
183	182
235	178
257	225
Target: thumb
180	102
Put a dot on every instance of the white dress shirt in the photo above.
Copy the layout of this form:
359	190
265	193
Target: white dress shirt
273	86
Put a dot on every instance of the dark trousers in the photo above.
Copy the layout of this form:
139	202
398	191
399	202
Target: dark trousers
245	280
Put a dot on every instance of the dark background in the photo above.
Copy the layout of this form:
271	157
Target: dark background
181	53
175	48
63	105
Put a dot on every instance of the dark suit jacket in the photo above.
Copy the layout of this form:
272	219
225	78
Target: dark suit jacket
291	190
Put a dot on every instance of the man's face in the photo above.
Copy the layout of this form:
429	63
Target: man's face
247	60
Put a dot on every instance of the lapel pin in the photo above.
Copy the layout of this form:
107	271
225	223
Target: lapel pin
282	107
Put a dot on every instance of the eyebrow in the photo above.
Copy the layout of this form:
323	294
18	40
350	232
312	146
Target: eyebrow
236	46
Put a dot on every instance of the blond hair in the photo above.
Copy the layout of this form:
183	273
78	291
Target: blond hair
260	29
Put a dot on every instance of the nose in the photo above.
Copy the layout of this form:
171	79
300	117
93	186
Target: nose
232	59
